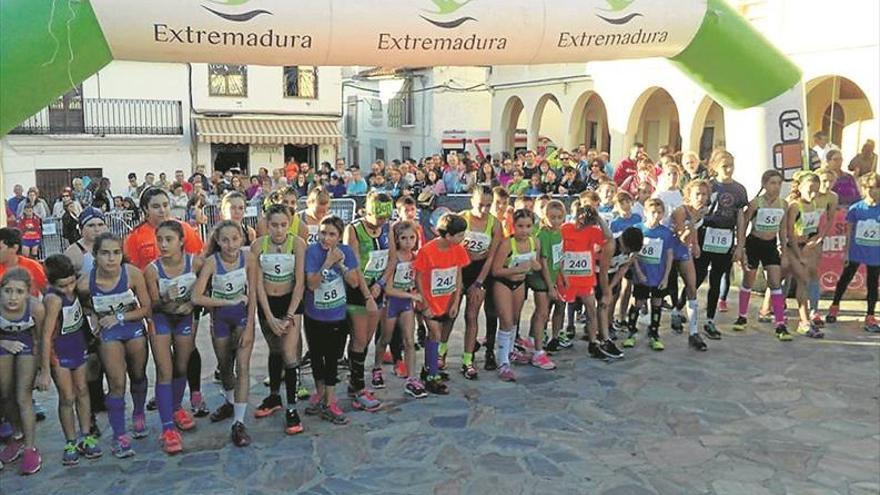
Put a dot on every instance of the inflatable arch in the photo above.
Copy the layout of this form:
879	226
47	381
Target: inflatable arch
49	46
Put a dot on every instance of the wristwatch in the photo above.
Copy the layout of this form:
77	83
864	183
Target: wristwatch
120	317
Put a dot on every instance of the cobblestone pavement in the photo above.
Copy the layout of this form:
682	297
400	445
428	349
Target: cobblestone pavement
751	416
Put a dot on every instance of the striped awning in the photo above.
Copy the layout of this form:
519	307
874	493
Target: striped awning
267	131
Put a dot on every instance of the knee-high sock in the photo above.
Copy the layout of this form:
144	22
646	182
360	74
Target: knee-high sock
357	362
194	371
178	386
814	295
632	317
116	414
693	315
139	396
777	301
163	403
96	394
432	354
505	345
276	369
291	374
656	314
745	293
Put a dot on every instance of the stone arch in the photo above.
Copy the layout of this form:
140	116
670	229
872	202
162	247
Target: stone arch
708	130
546	124
839	107
654	121
589	123
513	119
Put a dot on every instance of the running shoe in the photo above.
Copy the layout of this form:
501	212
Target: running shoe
620	326
595	351
269	406
39	412
334	414
541	360
223	412
630	340
306	360
139	426
88	447
366	401
423	375
765	317
400	370
31	461
506	374
782	333
436	386
314	406
184	420
677	325
342	363
525	345
740	324
302	392
519	357
816	319
171	441
722	306
696	342
94	430
378	381
442	362
387	358
710	330
569	332
611	349
565	341
545	339
70	457
833	311
469	372
240	437
656	343
198	406
151	404
552	346
612	333
122	447
490	363
415	388
807	329
11	452
871	324
292	423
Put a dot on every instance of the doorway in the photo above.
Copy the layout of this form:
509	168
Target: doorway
228	156
307	153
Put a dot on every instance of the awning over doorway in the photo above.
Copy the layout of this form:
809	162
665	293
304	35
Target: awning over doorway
267	131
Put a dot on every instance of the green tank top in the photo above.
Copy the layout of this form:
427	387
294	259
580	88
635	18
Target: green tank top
477	242
373	251
807	222
278	267
516	258
768	217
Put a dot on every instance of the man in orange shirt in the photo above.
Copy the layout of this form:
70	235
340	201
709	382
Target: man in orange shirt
291	170
10	244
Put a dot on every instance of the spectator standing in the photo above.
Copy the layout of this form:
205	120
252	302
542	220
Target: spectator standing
518	184
863	163
845	185
16	199
570	184
629	165
178	201
693	168
435	181
31	228
63	202
81	194
179	178
132	190
821	147
103	196
70	223
41	209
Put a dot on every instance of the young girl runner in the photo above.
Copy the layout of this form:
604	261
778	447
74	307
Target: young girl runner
668	190
317	207
766	213
803	219
330	267
370	240
686	221
233	207
827	201
543	284
117	295
280	257
66	353
438	268
232	302
170	280
621	263
863	247
402	295
513	261
21	324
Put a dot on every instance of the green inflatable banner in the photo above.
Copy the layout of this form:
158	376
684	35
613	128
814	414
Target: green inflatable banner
48	47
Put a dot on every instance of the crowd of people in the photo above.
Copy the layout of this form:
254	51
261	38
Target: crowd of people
636	239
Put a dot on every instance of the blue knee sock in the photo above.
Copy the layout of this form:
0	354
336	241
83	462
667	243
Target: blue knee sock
166	408
178	386
814	295
432	353
139	396
116	414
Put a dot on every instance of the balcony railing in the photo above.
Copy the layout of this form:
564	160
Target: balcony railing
100	116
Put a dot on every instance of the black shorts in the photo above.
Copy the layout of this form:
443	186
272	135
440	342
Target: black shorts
354	296
761	252
643	292
615	291
470	273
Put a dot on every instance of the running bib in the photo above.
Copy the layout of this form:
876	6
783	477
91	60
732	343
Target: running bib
184	284
557	254
443	281
376	264
717	240
477	242
578	263
404	276
278	267
330	294
313	234
71	318
113	303
17	326
617	262
522	258
230	284
868	233
768	219
810	222
652	251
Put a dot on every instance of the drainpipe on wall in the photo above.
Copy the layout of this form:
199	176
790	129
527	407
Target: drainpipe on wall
193	150
424	127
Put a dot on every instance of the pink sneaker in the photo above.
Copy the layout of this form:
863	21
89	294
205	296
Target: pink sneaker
525	344
139	426
722	306
541	360
31	462
506	374
11	452
518	357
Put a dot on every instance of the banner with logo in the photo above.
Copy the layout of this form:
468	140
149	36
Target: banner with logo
831	262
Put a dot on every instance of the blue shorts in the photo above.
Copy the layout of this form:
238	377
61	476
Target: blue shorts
25	338
227	319
71	351
398	306
166	324
123	333
30	243
680	252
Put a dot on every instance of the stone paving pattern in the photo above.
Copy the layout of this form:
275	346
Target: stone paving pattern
751	416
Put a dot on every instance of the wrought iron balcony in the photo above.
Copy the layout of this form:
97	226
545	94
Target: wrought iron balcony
106	116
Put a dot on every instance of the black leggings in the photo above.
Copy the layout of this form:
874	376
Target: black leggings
720	264
849	271
325	339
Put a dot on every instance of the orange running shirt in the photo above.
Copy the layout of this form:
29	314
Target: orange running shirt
579	254
140	246
35	269
437	269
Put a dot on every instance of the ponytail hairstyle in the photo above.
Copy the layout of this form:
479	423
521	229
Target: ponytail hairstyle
765	178
587	215
802	177
176	227
317	195
214	240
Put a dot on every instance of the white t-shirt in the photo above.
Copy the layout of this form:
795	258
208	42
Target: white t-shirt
672	199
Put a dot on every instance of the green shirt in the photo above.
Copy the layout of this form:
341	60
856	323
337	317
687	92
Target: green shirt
518	187
551	241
